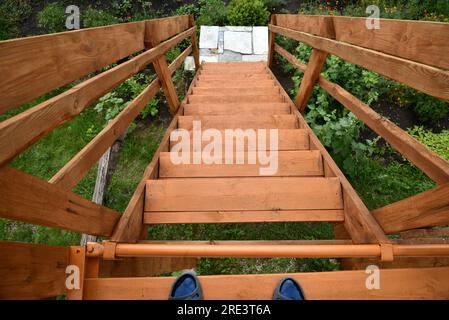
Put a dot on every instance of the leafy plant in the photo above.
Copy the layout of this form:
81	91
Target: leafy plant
212	13
111	105
437	142
52	17
12	14
188	9
430	109
151	109
248	13
95	18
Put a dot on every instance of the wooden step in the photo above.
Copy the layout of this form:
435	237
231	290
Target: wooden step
235	83
289	140
239	122
252	109
240	77
289	164
223	98
243	194
236	91
411	283
192	217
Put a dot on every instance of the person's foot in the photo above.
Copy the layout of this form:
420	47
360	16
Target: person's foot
186	287
288	289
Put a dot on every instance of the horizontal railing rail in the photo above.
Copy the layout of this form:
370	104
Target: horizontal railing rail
63	58
410	52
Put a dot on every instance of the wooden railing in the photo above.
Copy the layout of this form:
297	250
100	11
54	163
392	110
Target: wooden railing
411	52
31	67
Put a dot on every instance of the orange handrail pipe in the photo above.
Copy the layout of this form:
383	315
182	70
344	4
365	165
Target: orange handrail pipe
122	250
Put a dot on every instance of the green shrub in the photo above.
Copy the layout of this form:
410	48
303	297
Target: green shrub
212	13
12	14
188	9
95	18
52	17
437	142
248	13
429	109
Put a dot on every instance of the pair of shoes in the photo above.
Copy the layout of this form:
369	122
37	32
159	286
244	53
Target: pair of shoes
188	287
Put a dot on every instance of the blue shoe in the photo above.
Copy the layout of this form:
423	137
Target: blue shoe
186	287
288	289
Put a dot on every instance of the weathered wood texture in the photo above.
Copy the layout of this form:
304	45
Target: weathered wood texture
69	176
395	284
24	129
144	267
30	199
427	79
428	161
32	271
359	223
36	65
427	209
420	41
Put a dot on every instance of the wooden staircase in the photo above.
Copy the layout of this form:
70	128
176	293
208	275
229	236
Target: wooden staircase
237	193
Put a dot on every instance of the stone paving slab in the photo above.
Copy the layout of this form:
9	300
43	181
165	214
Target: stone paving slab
238	41
209	37
260	40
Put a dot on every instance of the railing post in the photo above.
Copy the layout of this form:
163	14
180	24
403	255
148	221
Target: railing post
310	78
196	54
271	41
164	76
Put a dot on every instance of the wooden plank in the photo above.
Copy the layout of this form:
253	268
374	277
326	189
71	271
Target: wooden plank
207	109
24	129
289	139
63	58
251	242
164	76
144	267
224	98
316	62
235	66
290	58
427	79
69	176
253	194
315	24
130	226
235	91
196	51
234	77
243	216
429	162
233	71
421	41
29	199
237	122
32	271
430	232
271	41
290	164
424	283
235	83
158	30
427	209
398	263
77	257
361	225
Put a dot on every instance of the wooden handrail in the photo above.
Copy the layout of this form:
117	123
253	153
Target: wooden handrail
429	162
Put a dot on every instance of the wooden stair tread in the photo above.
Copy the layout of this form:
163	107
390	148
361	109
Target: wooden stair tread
235	91
289	140
245	194
180	217
236	122
241	108
235	83
236	98
418	283
234	77
290	163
